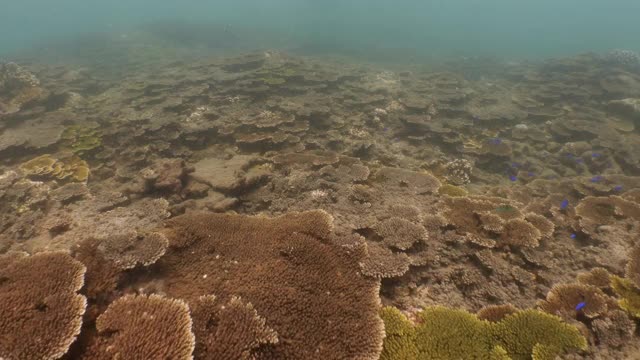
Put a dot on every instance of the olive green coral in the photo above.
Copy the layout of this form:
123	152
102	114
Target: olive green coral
46	166
444	333
399	343
81	138
520	333
629	294
452	334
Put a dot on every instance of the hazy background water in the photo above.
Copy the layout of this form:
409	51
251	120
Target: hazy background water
432	28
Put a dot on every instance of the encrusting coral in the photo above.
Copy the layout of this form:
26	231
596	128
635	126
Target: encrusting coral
444	333
143	327
40	316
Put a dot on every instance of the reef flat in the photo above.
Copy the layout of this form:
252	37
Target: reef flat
275	206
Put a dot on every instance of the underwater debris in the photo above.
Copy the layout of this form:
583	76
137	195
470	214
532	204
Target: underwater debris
40	316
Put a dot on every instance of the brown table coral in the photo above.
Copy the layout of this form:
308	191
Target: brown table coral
40	316
308	290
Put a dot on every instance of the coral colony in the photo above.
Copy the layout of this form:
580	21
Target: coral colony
270	206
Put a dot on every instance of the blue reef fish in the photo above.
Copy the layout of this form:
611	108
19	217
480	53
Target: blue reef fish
531	174
513	178
617	188
495	141
596	155
579	160
596	178
581	306
564	204
573	236
515	165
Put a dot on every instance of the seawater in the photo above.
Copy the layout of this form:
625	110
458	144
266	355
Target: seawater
432	28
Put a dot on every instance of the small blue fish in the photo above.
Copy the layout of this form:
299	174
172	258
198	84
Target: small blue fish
596	155
573	236
617	188
496	141
564	204
513	178
579	160
580	306
531	174
515	165
596	179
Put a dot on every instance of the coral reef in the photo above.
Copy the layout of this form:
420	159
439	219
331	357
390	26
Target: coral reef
18	88
258	259
232	330
137	327
45	166
466	184
40	317
443	333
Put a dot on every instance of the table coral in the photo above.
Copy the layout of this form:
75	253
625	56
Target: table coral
143	327
40	316
562	300
281	266
232	330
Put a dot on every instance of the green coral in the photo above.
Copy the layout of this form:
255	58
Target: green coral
81	138
46	166
629	294
545	352
452	334
452	190
399	343
444	333
519	333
